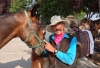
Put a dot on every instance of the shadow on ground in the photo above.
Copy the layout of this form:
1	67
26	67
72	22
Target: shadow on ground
22	63
96	56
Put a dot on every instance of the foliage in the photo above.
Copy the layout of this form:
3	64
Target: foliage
49	8
54	7
19	5
80	15
4	6
92	5
66	7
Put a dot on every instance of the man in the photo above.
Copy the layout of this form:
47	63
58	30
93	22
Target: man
61	47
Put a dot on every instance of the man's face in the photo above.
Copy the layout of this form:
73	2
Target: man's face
58	28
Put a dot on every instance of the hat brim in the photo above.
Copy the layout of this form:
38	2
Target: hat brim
66	22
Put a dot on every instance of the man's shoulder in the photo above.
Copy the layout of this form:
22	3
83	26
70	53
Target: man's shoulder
70	35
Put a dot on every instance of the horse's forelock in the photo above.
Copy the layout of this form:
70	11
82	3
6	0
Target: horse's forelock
34	9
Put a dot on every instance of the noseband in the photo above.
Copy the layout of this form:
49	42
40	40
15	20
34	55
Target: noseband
32	32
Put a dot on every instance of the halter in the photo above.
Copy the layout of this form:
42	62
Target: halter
32	32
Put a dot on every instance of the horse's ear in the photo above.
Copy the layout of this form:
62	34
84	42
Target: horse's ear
34	9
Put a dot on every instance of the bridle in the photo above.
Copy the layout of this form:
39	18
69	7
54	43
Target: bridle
32	32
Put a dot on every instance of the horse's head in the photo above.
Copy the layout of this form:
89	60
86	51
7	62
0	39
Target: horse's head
31	33
86	23
96	24
89	25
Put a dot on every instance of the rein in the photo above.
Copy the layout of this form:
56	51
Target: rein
32	32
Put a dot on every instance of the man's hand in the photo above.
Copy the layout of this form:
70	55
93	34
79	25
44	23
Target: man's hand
49	47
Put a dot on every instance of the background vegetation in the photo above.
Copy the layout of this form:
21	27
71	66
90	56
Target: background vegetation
48	8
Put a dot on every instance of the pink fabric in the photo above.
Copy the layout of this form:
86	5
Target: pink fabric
58	38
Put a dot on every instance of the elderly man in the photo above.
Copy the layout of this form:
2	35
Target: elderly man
60	46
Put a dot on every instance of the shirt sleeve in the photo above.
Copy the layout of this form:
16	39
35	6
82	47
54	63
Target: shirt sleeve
69	56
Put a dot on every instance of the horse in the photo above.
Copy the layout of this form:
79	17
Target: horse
27	27
83	42
93	25
96	24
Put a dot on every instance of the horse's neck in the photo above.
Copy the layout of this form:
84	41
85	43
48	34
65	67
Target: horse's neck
36	61
96	23
6	35
99	26
8	30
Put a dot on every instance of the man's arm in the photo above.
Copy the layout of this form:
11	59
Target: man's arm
70	55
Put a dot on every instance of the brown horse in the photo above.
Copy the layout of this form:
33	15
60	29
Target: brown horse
93	25
26	26
96	24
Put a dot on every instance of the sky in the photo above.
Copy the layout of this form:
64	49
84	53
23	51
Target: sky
94	17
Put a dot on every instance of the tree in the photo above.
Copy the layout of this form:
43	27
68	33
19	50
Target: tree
4	6
80	15
19	5
66	7
93	6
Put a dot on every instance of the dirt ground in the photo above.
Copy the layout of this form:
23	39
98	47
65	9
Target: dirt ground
18	56
96	56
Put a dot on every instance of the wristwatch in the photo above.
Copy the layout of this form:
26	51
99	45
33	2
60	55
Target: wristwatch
55	52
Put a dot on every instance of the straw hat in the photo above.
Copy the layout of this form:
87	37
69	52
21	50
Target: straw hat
54	20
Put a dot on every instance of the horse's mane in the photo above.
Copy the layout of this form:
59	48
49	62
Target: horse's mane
86	20
73	21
